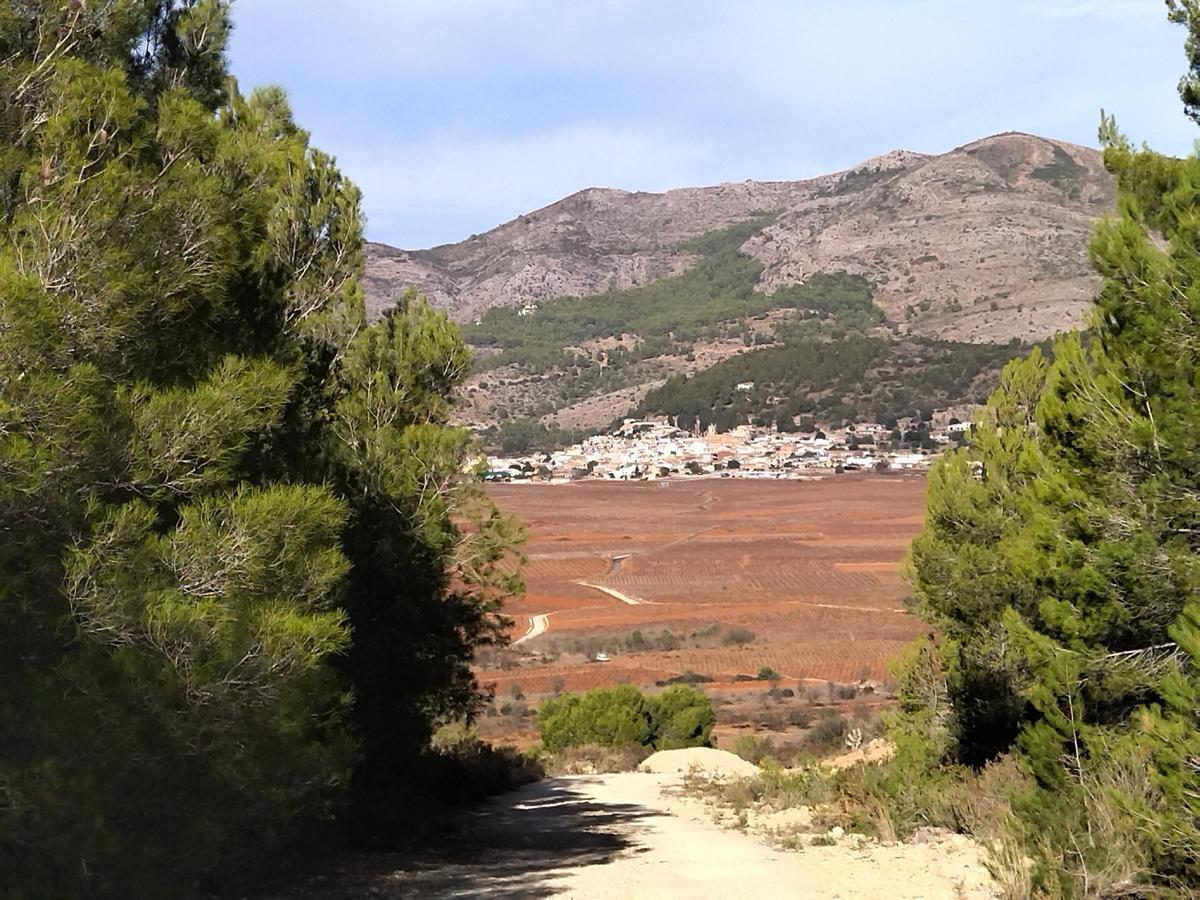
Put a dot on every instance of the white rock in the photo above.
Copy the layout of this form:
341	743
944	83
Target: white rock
703	761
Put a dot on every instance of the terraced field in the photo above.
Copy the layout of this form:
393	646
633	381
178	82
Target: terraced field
717	577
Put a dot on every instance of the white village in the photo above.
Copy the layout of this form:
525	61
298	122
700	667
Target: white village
649	449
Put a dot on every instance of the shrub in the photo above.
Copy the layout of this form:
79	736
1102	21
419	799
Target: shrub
608	716
462	769
688	677
753	748
737	635
827	734
680	716
799	717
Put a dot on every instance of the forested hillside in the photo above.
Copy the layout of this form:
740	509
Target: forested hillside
855	378
241	573
683	345
983	243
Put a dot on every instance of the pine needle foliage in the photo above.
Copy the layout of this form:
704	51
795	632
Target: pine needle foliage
243	562
1060	558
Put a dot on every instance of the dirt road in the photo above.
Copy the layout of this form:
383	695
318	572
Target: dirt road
613	592
537	626
624	836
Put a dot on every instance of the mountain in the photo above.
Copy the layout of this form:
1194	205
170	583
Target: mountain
1004	220
985	245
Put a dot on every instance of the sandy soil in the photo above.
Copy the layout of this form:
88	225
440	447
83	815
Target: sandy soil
632	835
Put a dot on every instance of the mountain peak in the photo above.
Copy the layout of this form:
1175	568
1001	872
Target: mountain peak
985	242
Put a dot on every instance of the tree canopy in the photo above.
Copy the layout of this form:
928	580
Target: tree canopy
679	716
1059	558
241	568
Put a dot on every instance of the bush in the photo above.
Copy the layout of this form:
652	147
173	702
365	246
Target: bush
609	717
774	786
799	717
737	635
462	769
683	717
688	677
753	748
680	716
827	734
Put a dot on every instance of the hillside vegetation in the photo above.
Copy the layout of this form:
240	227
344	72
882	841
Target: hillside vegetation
983	243
854	378
719	288
826	350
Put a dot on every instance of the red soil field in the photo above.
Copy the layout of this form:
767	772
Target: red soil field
809	567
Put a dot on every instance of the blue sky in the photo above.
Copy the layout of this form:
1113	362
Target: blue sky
456	115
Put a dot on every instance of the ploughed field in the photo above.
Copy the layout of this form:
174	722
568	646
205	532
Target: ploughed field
714	578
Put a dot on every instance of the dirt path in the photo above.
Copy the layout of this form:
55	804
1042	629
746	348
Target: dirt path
538	625
613	592
683	540
623	836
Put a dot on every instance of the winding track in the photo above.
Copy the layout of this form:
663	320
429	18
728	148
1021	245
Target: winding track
537	625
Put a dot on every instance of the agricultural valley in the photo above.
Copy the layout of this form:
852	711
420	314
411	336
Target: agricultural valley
711	582
717	406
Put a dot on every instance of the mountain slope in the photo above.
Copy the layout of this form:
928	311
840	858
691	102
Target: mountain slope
984	243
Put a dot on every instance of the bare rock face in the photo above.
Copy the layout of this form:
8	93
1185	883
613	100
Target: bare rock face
984	243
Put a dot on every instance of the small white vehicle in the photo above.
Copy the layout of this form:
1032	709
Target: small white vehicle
601	657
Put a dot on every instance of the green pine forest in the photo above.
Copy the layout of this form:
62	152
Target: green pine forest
1057	713
241	574
832	355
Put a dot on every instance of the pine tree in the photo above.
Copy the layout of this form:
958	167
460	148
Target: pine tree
1060	553
222	494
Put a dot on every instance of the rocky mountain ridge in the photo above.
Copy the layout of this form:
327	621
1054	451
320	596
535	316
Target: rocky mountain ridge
984	243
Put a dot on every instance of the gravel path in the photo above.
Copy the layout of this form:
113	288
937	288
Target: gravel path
613	592
537	626
632	836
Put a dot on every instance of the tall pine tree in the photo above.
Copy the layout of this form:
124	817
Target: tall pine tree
241	564
1060	554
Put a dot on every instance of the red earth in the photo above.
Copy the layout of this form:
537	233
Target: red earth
809	568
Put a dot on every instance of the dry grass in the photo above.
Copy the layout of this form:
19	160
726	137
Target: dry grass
594	760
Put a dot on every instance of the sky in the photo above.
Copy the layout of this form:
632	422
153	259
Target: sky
454	116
